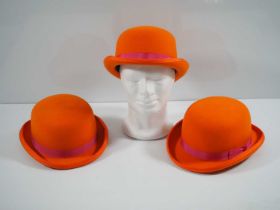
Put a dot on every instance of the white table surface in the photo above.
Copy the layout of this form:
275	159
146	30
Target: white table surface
138	174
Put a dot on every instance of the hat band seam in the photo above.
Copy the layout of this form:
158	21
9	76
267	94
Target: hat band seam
217	155
55	153
143	55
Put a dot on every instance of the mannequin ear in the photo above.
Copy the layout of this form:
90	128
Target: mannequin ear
175	72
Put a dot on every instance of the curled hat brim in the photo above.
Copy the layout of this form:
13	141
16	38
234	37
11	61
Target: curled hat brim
186	161
66	163
179	65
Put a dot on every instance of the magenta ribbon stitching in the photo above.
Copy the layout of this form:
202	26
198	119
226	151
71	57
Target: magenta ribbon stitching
143	55
62	153
216	156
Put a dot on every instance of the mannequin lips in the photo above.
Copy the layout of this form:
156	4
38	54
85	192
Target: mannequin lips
149	102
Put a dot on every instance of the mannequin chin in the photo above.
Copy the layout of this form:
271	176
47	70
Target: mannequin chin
147	88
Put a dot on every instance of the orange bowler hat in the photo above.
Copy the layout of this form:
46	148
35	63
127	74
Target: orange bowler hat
215	134
63	132
146	45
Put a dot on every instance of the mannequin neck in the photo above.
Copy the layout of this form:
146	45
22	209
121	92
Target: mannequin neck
146	125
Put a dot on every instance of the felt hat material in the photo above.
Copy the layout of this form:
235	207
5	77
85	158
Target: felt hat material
215	134
146	45
64	133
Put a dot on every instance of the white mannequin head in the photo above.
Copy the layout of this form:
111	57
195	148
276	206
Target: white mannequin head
148	88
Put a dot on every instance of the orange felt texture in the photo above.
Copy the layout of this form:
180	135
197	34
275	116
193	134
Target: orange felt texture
64	122
213	125
188	162
59	120
66	163
146	39
216	124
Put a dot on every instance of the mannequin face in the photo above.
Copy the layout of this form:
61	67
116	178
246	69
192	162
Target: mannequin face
147	86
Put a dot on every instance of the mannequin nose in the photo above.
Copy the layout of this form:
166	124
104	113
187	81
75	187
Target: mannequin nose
146	87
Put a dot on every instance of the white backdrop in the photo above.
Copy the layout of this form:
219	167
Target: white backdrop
49	47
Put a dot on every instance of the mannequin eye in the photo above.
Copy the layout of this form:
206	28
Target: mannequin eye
157	79
133	80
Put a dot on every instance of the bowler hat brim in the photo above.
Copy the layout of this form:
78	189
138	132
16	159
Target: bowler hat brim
180	66
65	163
186	161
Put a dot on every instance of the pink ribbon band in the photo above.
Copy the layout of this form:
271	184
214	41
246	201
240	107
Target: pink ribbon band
54	153
143	55
218	155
